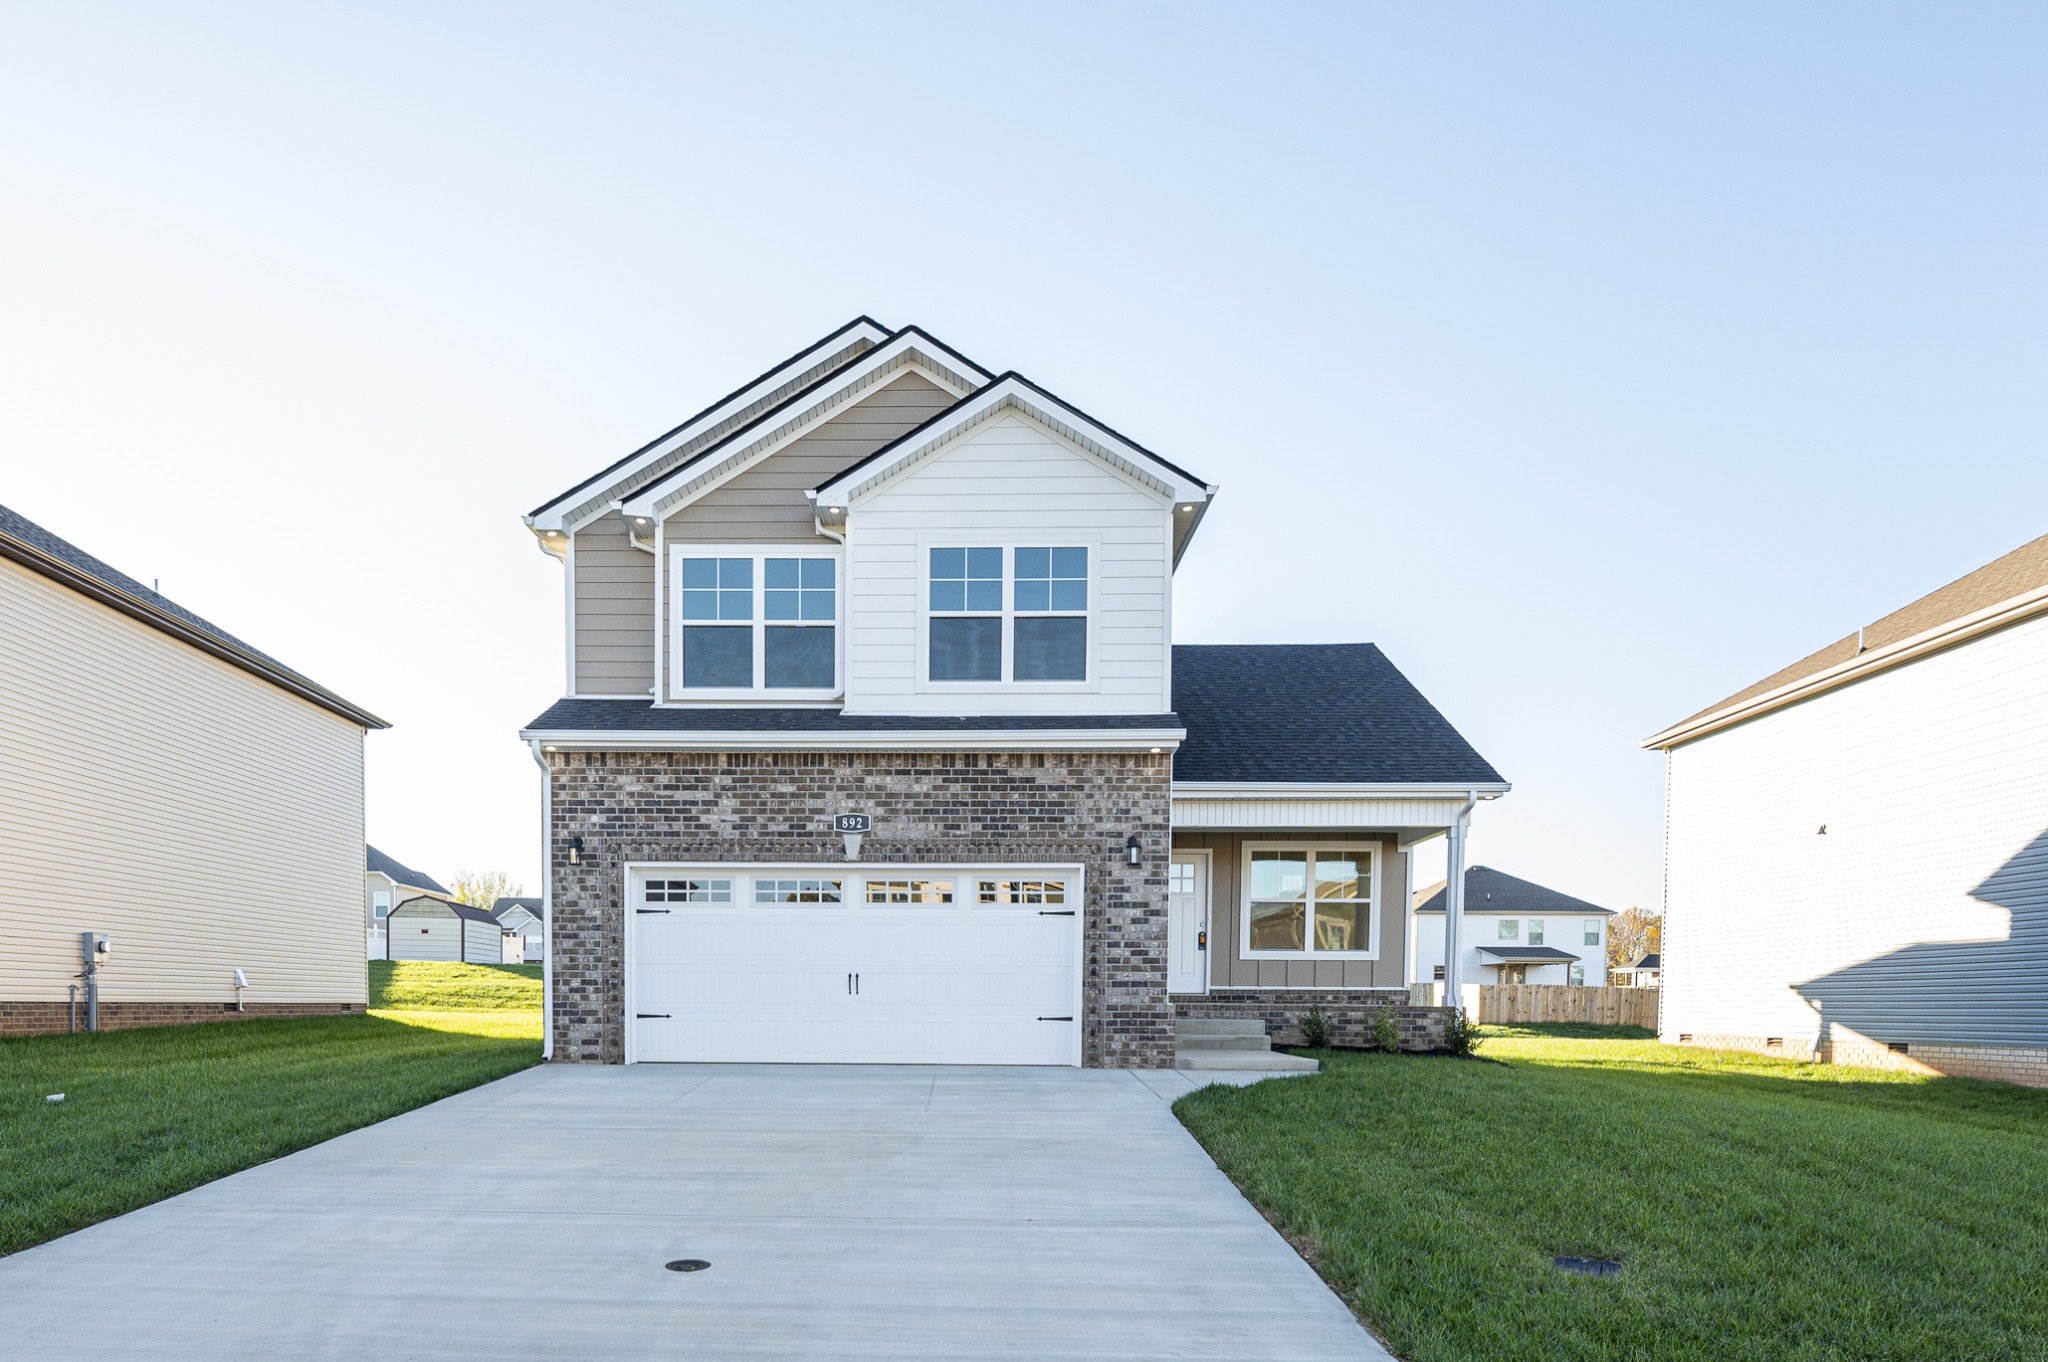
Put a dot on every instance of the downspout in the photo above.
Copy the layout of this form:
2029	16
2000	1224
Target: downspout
1454	903
547	902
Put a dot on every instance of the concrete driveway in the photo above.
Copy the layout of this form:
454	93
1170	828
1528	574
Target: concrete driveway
876	1213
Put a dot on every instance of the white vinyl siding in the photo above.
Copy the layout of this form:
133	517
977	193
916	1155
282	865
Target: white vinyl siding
1010	481
613	586
431	932
1920	914
202	818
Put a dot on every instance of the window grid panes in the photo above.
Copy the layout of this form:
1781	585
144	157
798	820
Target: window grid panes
998	614
717	890
797	889
1535	931
1006	893
1180	878
1309	900
766	623
1049	636
922	892
1592	931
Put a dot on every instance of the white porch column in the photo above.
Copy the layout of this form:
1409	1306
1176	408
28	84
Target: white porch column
1454	907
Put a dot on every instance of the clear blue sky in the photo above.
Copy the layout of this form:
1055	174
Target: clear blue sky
1593	360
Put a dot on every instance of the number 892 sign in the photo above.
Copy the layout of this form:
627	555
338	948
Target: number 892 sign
852	822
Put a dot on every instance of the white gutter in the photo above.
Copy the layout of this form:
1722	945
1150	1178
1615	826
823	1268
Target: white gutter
1454	904
547	903
904	740
1228	789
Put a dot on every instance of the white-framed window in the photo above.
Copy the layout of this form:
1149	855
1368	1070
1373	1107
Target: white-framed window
1592	926
1309	900
380	904
1021	893
800	889
1438	973
1578	972
1015	614
1535	931
754	623
691	889
900	893
1510	929
1180	877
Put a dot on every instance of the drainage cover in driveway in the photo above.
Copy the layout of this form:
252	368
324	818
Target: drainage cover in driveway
687	1265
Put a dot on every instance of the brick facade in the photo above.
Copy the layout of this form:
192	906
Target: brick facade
1352	1012
41	1019
929	808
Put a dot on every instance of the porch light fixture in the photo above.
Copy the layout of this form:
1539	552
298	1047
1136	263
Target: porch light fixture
1132	848
575	851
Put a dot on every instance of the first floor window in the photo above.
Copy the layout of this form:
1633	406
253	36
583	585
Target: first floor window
380	903
758	622
1578	971
1309	900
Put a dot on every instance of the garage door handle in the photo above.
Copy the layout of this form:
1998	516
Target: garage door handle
1055	1018
650	910
643	1016
1055	912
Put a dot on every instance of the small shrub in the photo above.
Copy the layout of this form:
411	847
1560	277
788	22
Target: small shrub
1459	1035
1315	1028
1386	1029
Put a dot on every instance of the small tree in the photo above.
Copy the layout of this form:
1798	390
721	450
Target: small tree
1633	935
1459	1038
482	888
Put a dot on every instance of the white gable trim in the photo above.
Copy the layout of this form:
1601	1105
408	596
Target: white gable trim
574	507
664	499
1013	392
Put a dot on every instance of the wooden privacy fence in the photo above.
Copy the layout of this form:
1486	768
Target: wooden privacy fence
1500	1003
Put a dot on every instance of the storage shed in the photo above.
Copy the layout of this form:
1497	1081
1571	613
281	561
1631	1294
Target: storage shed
427	928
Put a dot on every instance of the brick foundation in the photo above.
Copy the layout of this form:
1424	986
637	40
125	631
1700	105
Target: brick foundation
41	1019
929	808
1352	1012
1999	1063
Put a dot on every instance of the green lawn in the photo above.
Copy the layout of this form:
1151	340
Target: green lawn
1762	1209
148	1114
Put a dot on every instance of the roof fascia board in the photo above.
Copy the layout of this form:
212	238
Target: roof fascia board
1014	390
908	740
1943	636
655	503
958	374
1233	789
603	486
107	594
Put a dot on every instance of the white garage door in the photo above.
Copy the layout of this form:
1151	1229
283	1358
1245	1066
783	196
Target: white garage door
831	965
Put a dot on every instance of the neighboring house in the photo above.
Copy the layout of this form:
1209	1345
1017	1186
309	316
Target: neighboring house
877	747
387	884
1516	933
1647	972
170	788
428	928
1857	846
526	933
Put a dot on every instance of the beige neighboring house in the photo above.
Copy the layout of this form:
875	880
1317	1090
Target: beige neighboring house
386	884
186	802
430	928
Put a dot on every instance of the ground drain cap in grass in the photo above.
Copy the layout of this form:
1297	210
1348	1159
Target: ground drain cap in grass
687	1265
1592	1267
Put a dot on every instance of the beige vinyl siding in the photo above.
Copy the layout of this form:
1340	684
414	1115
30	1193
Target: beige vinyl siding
424	932
1228	967
202	818
613	587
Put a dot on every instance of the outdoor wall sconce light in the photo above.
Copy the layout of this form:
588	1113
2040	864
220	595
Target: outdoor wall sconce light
575	851
1132	847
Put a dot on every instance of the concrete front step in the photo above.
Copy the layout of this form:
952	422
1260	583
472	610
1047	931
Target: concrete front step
1250	1044
1244	1061
1219	1026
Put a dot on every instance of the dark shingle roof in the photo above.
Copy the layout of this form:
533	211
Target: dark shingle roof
1490	891
400	874
461	910
642	716
37	549
1527	955
500	907
1654	960
1312	713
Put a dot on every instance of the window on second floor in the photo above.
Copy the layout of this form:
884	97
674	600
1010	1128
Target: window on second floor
1510	929
756	623
1007	614
1535	931
1592	925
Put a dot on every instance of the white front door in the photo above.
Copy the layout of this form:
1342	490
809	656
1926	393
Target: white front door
856	965
1187	924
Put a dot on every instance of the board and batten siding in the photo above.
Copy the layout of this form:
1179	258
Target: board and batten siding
1921	914
612	588
1230	968
204	819
1010	481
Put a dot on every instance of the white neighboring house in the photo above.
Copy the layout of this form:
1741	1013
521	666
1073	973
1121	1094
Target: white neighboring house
526	933
1648	972
1515	933
1856	860
386	884
428	928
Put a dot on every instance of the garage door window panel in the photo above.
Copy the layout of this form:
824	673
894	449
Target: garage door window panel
910	893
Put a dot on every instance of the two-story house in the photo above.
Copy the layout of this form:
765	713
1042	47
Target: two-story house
876	745
1516	932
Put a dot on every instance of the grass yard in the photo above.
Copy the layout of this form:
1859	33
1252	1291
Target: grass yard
1761	1208
151	1113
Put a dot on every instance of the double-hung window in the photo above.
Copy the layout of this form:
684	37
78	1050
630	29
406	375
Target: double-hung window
1007	614
1309	901
1535	931
1592	925
756	624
